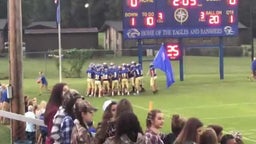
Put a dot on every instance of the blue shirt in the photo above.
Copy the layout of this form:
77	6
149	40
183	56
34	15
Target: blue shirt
97	75
4	97
254	65
90	73
105	74
124	73
115	74
43	80
137	72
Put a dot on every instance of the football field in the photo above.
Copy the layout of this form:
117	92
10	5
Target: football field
230	103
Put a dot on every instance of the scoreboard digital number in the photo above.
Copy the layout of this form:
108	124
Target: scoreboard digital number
179	18
173	51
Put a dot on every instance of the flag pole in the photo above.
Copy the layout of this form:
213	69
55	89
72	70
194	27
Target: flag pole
60	61
59	41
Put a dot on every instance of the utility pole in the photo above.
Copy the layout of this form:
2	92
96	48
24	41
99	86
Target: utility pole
16	71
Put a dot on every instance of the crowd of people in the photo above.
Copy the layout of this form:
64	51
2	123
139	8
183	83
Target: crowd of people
104	79
68	116
69	120
111	80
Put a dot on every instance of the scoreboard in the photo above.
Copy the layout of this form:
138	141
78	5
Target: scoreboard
179	18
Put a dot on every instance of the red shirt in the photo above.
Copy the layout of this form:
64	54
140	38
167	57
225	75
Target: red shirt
48	121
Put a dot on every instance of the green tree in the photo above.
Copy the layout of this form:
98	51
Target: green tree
98	10
45	10
73	63
28	12
114	10
78	13
3	9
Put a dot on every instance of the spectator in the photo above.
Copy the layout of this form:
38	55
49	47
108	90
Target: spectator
36	111
42	106
228	139
84	114
67	123
107	127
177	123
42	130
26	100
189	132
52	107
154	122
106	104
34	101
5	102
218	130
207	136
122	106
30	128
238	136
60	114
128	130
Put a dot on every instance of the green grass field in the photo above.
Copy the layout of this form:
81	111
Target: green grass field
230	102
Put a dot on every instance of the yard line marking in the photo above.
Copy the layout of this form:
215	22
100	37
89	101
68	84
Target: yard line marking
146	109
140	107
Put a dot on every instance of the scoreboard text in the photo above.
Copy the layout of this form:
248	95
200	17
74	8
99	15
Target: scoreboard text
179	18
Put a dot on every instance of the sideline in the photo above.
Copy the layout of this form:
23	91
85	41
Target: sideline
234	104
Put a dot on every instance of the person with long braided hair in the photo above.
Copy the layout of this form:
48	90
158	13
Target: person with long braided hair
154	122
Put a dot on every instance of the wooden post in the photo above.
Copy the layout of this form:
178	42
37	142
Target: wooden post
16	71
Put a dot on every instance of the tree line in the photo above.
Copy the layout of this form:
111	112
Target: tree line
74	14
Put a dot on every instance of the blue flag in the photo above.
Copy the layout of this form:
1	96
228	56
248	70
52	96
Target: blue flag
162	62
57	11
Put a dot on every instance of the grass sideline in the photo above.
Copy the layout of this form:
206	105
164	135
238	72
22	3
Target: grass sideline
230	102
